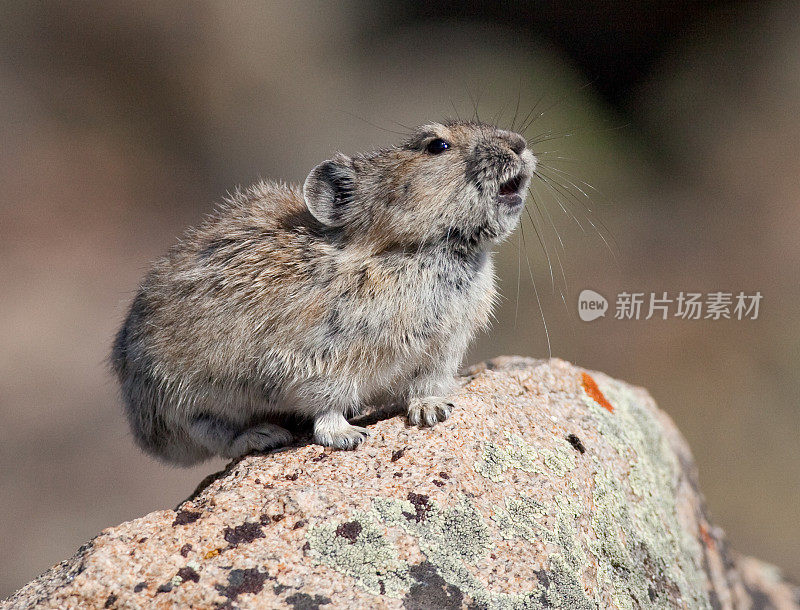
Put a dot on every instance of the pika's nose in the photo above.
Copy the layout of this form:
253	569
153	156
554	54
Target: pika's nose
515	141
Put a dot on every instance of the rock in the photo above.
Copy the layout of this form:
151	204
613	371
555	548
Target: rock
548	487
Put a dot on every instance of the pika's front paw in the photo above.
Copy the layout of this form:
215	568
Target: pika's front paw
332	430
428	411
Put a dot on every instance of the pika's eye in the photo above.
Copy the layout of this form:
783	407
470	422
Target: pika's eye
437	146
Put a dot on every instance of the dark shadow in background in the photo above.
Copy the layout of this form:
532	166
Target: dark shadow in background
615	44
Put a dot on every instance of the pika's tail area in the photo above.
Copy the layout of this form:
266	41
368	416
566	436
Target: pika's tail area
154	431
149	408
118	358
129	337
152	415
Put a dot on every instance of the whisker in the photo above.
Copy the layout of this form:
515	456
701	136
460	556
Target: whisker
554	104
588	215
474	105
550	137
557	151
399	124
496	118
519	277
558	236
576	180
536	203
563	176
533	224
478	102
536	292
574	131
516	108
549	184
458	116
522	127
544	249
565	284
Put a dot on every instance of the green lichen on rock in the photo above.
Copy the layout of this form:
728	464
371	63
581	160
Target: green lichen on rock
359	549
642	550
451	538
496	459
459	529
521	518
524	517
565	589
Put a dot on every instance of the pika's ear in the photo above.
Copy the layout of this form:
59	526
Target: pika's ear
329	188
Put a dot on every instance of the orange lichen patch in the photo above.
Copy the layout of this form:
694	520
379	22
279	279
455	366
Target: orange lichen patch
590	386
707	539
211	553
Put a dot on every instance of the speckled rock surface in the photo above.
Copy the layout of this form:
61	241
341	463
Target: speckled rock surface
548	487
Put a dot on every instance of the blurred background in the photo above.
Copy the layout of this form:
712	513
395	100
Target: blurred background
124	122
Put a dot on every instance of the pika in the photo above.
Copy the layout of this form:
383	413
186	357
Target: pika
363	287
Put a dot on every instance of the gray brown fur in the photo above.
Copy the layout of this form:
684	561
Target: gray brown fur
365	286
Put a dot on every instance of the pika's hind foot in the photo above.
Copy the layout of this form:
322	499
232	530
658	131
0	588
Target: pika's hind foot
428	410
259	438
332	430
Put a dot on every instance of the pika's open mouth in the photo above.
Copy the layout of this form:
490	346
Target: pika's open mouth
511	187
509	193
